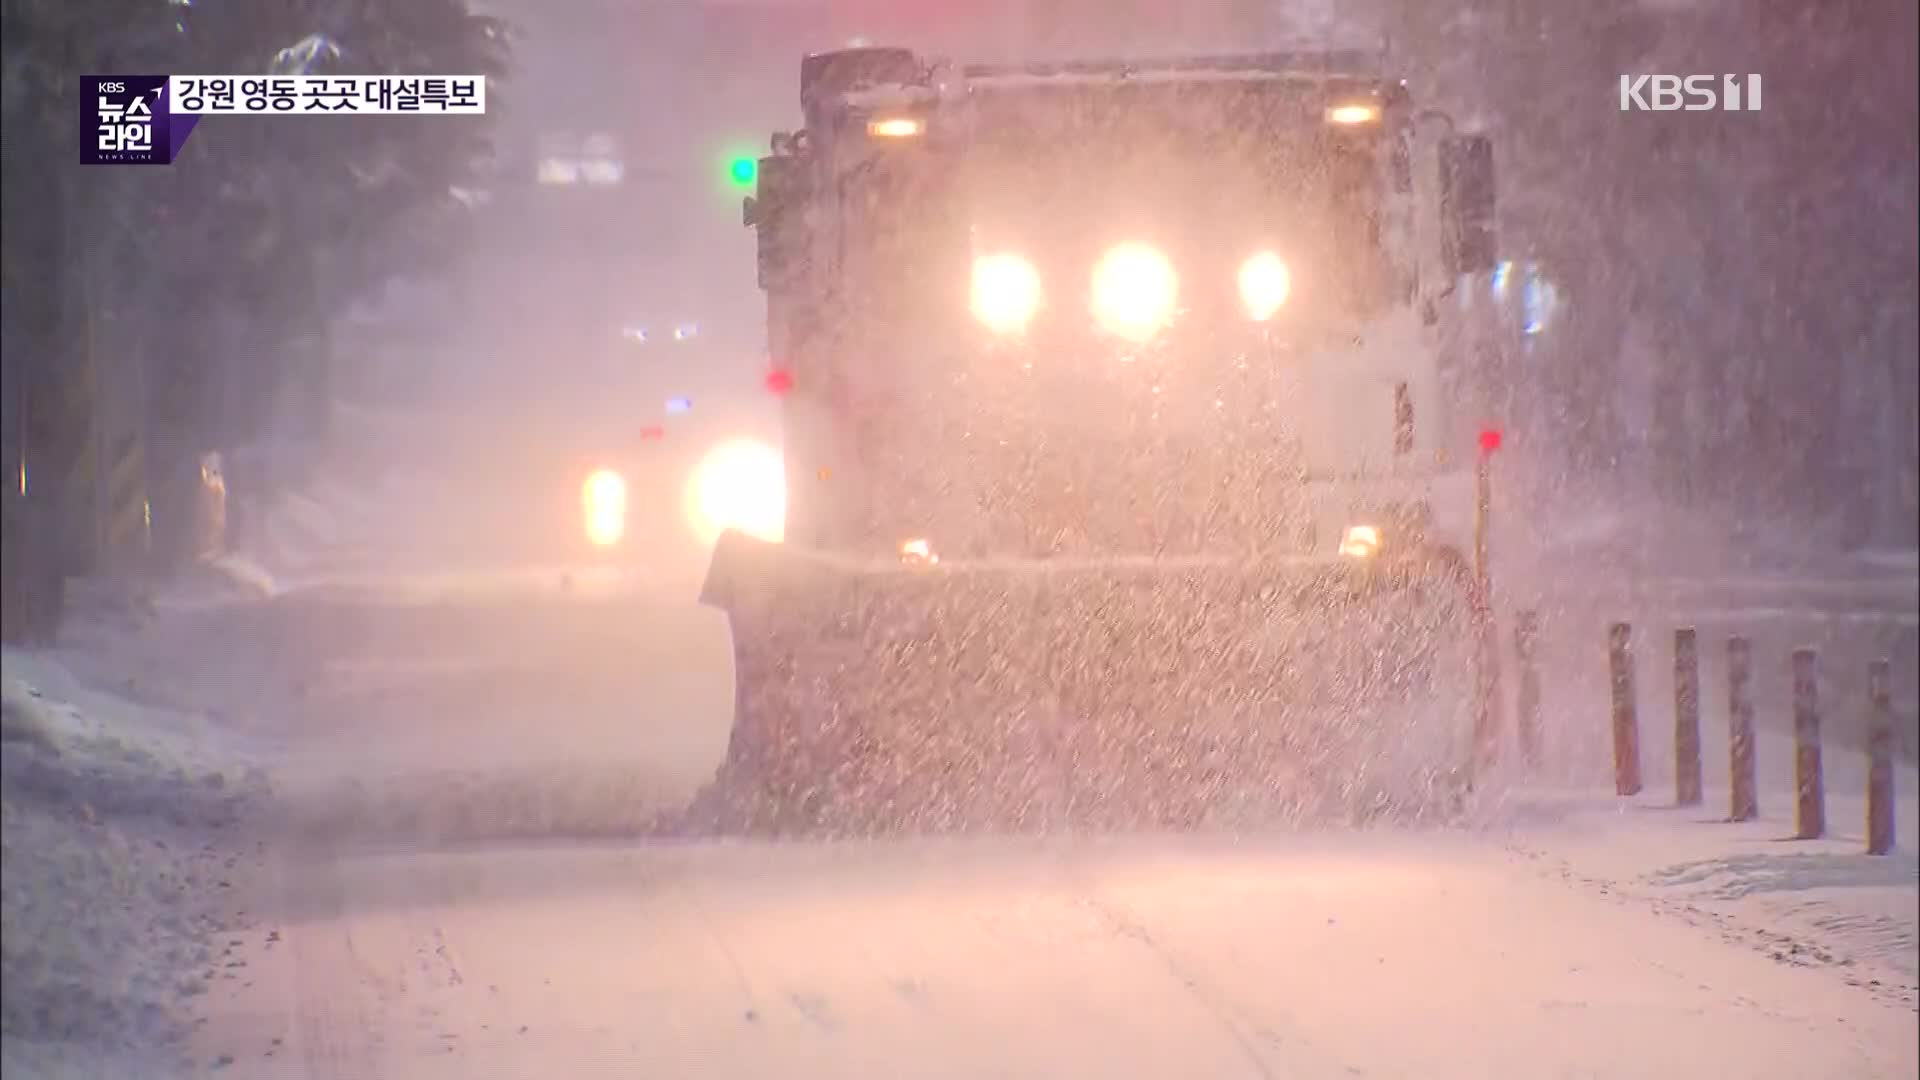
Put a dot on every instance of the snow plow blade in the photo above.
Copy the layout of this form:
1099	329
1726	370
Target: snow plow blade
1086	694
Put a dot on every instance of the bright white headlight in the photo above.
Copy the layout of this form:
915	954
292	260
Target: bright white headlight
1006	292
1264	285
603	501
1134	289
1361	542
741	485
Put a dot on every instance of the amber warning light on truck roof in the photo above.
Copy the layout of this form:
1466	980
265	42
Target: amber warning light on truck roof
1352	113
895	127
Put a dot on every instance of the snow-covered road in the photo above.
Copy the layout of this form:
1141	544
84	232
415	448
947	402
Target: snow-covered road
413	913
1379	955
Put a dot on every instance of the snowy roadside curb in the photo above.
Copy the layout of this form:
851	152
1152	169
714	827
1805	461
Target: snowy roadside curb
299	537
1540	527
118	825
1807	903
298	530
245	574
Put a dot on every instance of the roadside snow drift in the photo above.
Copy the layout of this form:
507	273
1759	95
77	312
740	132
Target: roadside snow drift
115	871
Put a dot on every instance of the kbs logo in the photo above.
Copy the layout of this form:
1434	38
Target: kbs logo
1689	93
125	120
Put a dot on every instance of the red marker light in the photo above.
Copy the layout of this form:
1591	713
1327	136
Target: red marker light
1489	440
779	380
653	431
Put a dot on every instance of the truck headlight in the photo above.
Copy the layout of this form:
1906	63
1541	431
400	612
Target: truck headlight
895	127
1134	289
1361	542
1264	285
1006	292
741	484
917	552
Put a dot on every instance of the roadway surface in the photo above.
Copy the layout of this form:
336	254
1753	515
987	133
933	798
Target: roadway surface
449	886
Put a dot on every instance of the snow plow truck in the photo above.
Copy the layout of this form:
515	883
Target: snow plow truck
1123	484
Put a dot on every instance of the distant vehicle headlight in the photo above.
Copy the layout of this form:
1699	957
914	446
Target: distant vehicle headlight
1006	292
1134	289
739	485
1264	285
604	503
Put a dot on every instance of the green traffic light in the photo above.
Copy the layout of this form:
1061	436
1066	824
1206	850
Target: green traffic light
743	171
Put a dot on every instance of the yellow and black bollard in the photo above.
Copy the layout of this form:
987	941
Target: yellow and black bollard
1745	800
1687	781
1879	761
1810	794
1626	720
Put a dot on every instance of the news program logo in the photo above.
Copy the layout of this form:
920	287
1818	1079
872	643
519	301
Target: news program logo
125	120
145	119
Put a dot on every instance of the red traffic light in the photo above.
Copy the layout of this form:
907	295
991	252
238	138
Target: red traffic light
653	431
779	380
1489	440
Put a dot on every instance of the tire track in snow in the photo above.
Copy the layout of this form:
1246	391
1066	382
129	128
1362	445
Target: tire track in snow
1247	1032
704	919
337	1036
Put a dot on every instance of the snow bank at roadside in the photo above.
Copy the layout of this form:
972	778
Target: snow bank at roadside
1897	560
334	537
1617	533
298	535
1822	904
118	833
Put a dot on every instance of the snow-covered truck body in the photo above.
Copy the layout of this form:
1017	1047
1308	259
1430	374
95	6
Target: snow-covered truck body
1122	477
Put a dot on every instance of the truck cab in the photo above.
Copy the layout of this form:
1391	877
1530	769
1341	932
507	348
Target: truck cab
1191	308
